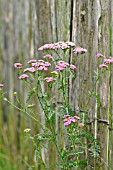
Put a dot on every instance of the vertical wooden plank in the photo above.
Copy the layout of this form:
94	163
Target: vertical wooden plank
110	116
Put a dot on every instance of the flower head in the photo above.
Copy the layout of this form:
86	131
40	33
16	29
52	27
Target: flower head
18	65
81	124
48	56
59	45
79	50
99	55
103	66
73	67
32	61
23	76
31	70
1	85
50	79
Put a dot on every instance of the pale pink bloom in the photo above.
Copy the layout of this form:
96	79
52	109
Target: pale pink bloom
50	79
32	61
77	117
79	50
1	85
65	116
81	124
70	44
59	68
47	64
41	61
73	67
67	123
23	76
48	56
103	65
62	63
58	45
37	64
18	65
42	68
108	61
72	119
99	55
31	69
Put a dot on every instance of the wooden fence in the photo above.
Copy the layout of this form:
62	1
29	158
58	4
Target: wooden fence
25	25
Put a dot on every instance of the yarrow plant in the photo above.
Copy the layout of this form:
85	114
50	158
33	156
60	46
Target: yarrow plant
71	150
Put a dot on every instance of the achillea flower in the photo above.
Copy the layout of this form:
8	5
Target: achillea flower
62	63
50	79
103	65
108	61
32	61
81	124
65	116
77	117
1	85
42	68
59	45
47	64
18	65
59	68
36	64
67	123
68	120
99	55
79	50
73	67
23	76
48	56
31	70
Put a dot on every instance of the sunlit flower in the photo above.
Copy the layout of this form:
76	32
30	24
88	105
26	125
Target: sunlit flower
27	130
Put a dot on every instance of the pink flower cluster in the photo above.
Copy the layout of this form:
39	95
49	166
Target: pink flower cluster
70	119
59	45
61	65
79	50
50	79
18	65
48	56
106	62
1	85
41	65
32	61
99	55
31	70
23	76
